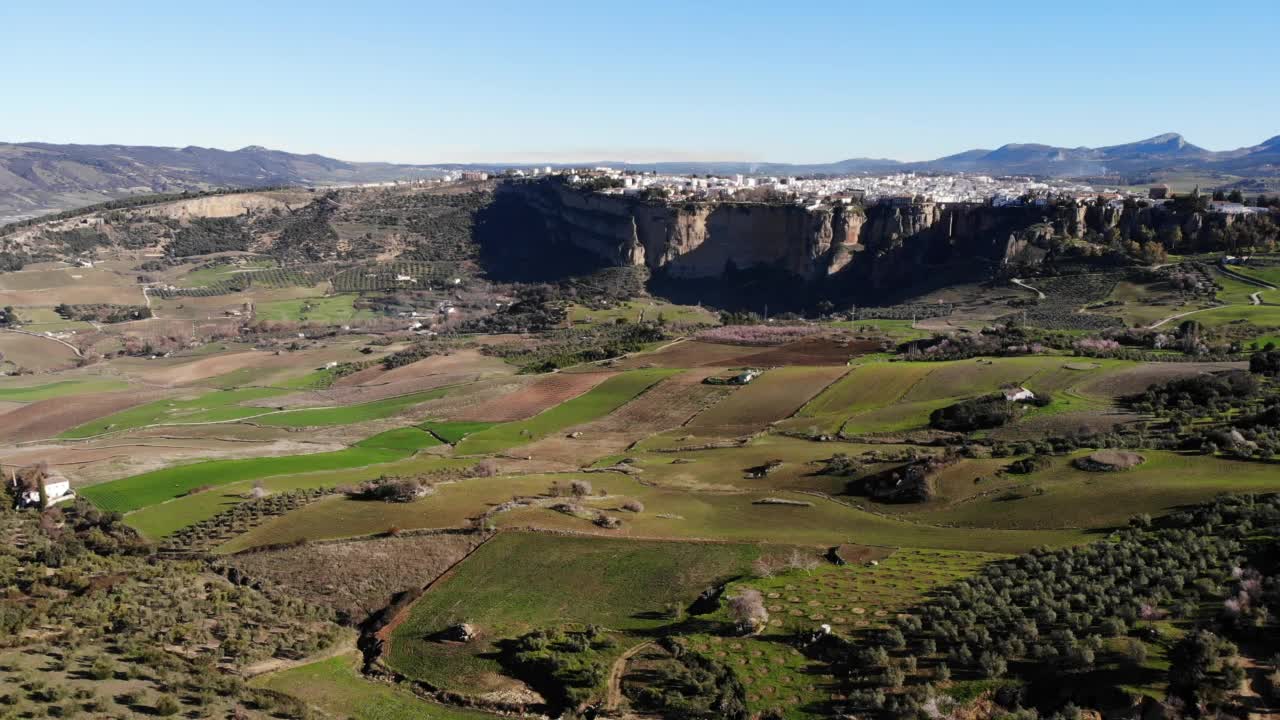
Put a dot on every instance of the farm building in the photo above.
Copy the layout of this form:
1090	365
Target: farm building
1017	393
56	488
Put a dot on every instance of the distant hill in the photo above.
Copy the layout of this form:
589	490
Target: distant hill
37	178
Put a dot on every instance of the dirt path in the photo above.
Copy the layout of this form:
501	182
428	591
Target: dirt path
613	698
1255	298
1019	283
1171	318
74	349
270	665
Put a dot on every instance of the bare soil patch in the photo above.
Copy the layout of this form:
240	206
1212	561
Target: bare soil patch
358	578
542	395
811	351
667	405
688	354
47	418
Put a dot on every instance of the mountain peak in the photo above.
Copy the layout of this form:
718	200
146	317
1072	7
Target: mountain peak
1174	139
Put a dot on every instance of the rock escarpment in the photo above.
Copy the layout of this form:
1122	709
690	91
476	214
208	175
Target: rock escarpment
704	240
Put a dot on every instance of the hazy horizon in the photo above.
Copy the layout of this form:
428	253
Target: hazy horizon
572	82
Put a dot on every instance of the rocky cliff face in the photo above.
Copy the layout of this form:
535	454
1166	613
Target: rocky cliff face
884	243
883	247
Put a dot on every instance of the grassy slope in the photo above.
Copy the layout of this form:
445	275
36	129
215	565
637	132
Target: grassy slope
62	388
337	688
1064	497
598	402
139	491
351	413
328	310
669	513
216	406
157	521
517	582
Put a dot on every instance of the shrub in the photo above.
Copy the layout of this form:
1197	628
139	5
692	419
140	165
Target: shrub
980	413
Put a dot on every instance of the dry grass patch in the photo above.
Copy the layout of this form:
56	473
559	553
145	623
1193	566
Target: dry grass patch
358	578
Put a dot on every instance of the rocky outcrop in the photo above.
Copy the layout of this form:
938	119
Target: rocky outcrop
884	246
701	240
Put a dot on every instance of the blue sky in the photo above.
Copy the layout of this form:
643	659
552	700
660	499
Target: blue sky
545	80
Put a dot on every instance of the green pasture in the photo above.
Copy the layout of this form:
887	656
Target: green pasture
597	402
61	388
330	309
453	432
217	406
166	518
139	491
1064	497
649	310
348	414
338	689
518	582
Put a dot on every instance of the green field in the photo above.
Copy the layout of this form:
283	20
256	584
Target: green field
598	402
651	311
166	518
339	690
348	414
1064	497
62	388
517	582
217	406
330	309
453	432
669	513
139	491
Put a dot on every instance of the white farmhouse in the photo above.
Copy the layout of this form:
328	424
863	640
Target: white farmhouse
56	487
1017	393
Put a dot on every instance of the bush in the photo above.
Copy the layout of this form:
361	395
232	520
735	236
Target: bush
1029	465
979	413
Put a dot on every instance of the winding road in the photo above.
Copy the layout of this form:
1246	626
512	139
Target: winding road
1019	283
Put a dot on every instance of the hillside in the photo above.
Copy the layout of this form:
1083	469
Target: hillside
37	178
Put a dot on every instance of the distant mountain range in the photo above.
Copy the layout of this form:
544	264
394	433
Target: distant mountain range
37	178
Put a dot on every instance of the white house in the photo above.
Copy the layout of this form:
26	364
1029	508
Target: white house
56	487
1018	393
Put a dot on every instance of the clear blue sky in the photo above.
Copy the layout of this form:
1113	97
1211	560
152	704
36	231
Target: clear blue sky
538	79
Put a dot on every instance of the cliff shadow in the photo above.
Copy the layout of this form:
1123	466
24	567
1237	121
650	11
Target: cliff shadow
516	245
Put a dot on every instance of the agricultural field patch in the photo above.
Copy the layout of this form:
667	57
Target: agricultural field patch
49	418
20	352
332	309
166	518
1065	497
642	310
210	407
666	405
139	491
542	394
775	395
516	581
359	578
602	399
60	388
337	688
349	414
